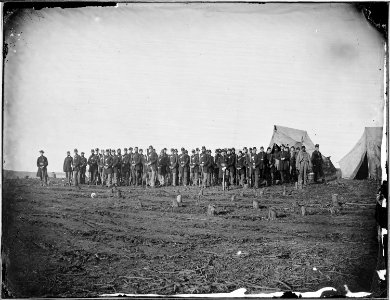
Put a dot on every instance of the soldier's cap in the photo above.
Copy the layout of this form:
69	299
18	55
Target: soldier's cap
82	152
75	150
107	150
131	148
119	150
203	148
125	149
140	150
68	152
229	149
233	149
197	149
254	148
223	150
292	147
97	149
316	145
240	152
193	151
182	149
113	150
186	151
41	151
92	150
303	147
245	148
150	147
165	149
262	147
268	148
172	149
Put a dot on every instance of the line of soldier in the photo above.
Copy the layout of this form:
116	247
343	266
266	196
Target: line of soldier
111	167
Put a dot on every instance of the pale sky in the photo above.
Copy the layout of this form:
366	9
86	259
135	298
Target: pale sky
173	75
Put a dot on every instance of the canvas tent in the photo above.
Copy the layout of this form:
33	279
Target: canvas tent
297	138
364	160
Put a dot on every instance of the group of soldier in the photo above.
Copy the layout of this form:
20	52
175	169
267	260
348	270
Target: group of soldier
111	167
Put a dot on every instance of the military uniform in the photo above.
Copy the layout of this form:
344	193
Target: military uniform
184	163
116	165
42	164
76	168
270	167
194	168
303	165
152	163
174	164
231	161
162	164
204	163
293	165
93	167
137	165
101	167
125	168
284	165
108	159
317	162
67	168
240	168
83	167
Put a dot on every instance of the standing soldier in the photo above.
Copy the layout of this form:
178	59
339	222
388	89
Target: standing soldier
92	163
136	164
240	167
231	160
245	155
185	164
270	169
152	163
144	167
255	167
233	153
76	168
116	167
67	168
317	162
42	164
222	164
215	168
211	167
284	167
101	166
108	167
192	166
303	165
83	168
131	167
125	168
181	166
174	164
262	158
196	168
204	163
249	167
162	166
293	164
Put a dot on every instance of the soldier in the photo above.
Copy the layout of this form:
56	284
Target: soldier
116	164
184	161
231	160
211	167
108	167
293	164
204	163
131	167
67	168
270	168
240	167
222	165
317	162
245	154
276	153
136	163
125	168
92	163
42	164
83	168
303	165
174	164
101	166
162	166
215	168
144	167
152	164
255	167
76	168
283	165
193	171
262	158
249	164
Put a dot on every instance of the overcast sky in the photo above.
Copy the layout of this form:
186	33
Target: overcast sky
189	75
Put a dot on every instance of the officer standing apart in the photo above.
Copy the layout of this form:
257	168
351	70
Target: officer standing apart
42	167
67	168
317	162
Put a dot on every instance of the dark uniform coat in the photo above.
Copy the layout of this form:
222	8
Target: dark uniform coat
284	161
76	162
108	164
68	161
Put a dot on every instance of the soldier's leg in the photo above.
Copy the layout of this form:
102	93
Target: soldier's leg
108	180
174	177
76	178
195	180
257	172
204	181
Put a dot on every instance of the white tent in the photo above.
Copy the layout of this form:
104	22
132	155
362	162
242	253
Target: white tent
364	160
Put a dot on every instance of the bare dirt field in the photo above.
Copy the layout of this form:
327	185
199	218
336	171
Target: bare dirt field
60	242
